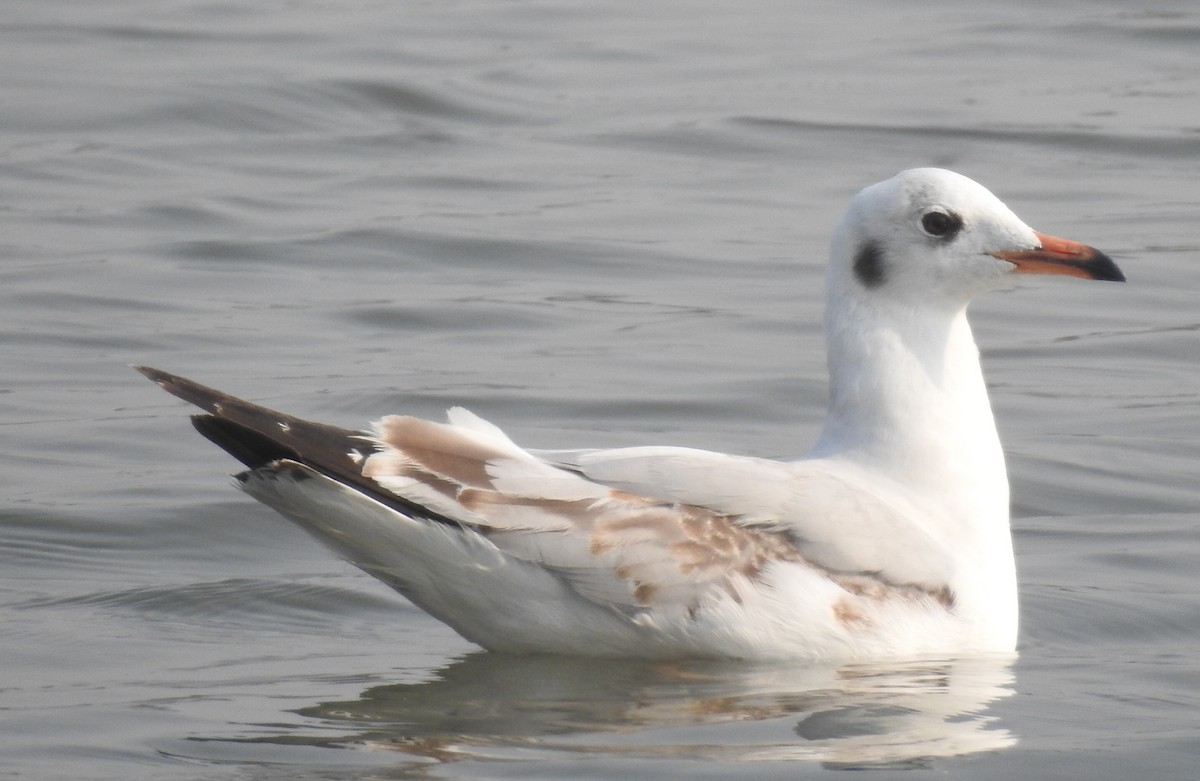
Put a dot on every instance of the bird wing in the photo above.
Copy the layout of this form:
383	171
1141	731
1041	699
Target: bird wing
840	516
630	529
640	528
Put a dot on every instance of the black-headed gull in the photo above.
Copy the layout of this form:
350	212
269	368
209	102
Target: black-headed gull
890	538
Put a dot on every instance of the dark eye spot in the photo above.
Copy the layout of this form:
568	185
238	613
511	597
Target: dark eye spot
868	265
943	225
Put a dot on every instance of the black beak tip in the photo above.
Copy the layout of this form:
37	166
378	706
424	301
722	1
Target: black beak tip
1103	268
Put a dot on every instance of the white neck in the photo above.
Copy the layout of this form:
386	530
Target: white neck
907	393
907	398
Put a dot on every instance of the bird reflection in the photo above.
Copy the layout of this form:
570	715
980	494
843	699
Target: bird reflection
854	716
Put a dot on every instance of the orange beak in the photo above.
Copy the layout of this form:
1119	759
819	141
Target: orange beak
1066	257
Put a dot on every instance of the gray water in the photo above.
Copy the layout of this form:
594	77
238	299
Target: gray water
595	224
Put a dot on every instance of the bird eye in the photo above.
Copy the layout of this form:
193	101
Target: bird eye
941	224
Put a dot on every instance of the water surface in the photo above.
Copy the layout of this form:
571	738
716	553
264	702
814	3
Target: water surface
595	225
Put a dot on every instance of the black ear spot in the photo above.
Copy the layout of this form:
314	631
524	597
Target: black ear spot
868	265
941	224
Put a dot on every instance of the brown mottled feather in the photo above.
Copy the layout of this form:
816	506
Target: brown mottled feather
439	449
666	552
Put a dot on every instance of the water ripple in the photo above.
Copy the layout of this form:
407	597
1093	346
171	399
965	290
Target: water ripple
232	602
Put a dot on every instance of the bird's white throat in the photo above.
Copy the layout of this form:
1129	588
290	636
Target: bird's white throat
907	394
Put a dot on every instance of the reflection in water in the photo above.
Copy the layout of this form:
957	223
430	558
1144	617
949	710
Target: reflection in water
862	715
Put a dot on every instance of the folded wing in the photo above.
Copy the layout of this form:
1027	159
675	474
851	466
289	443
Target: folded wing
660	528
634	532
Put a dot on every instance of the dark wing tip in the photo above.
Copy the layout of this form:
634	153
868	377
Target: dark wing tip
251	447
146	370
156	375
201	395
160	378
258	437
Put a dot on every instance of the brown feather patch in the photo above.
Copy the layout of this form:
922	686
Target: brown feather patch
440	449
706	548
846	612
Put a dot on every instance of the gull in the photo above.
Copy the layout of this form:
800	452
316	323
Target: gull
890	538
